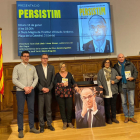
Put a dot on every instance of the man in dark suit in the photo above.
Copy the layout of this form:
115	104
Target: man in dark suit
92	114
46	76
98	30
78	101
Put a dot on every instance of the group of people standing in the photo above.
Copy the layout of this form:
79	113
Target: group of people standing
113	81
118	79
26	77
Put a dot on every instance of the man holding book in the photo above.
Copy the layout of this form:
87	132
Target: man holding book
127	76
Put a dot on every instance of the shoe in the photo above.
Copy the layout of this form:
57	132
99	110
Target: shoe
132	120
64	125
51	128
70	125
126	120
115	120
41	129
109	121
33	130
20	134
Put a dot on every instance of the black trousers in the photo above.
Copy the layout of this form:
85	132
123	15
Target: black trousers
45	100
65	106
110	103
21	97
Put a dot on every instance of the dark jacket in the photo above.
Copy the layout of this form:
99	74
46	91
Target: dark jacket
42	82
60	89
90	47
79	103
129	66
101	80
98	119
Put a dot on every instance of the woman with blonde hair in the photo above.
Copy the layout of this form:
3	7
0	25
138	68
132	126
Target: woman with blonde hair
63	90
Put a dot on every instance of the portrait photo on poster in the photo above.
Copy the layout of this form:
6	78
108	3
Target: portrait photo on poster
89	107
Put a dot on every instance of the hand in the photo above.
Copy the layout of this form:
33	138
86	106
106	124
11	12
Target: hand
130	79
66	84
94	105
77	89
118	77
84	110
45	90
27	90
30	89
101	86
112	82
101	92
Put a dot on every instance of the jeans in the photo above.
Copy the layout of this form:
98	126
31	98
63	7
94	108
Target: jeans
21	97
131	94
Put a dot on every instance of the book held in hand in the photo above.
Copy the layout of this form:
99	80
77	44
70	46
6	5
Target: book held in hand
64	80
127	74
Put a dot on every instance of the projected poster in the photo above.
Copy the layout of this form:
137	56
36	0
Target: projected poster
62	28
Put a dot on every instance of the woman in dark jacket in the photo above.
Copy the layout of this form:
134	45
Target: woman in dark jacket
107	80
63	90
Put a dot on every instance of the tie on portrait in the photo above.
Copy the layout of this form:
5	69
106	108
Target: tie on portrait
89	118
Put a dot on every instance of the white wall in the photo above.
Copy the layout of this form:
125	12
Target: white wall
125	25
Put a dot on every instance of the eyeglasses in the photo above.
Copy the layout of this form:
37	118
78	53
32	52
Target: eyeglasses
26	56
88	97
63	67
45	58
98	27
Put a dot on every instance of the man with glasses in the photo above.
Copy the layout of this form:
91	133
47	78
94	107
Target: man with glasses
92	114
46	76
98	30
25	78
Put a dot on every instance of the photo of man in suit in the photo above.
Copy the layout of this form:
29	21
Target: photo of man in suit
46	74
97	93
98	31
91	114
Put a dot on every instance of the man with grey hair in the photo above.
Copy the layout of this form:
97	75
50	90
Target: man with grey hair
98	30
92	114
127	76
46	76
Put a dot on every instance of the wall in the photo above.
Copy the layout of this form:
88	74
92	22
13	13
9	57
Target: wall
125	26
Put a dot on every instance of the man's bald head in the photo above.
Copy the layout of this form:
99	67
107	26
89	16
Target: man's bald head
88	97
97	27
120	57
86	91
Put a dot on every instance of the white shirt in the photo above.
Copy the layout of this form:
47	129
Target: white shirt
100	49
109	88
25	65
45	71
92	113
